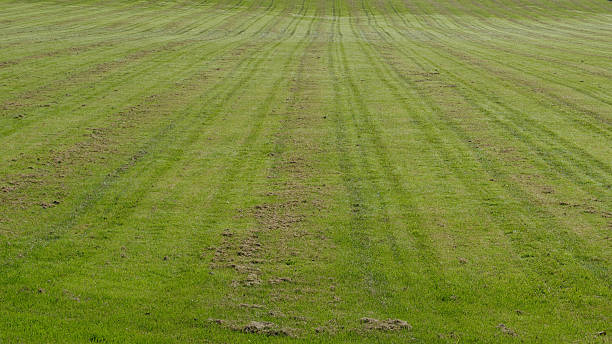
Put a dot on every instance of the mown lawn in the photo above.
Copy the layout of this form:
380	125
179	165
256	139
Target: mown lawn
192	171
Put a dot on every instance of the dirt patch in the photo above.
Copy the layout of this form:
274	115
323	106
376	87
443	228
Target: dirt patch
15	183
221	255
385	325
256	327
241	255
251	280
279	280
447	336
52	204
248	305
278	215
249	247
506	330
264	327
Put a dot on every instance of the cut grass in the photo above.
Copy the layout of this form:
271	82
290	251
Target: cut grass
190	172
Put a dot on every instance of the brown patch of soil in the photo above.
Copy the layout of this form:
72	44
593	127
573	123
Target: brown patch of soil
278	215
385	325
506	330
279	280
257	327
248	305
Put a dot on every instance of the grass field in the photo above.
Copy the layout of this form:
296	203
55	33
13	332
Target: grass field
277	170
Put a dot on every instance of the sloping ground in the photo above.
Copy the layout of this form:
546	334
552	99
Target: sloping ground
304	170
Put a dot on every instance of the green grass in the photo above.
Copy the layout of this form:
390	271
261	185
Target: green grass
447	163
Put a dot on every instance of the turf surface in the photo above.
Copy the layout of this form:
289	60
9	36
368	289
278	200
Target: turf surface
171	171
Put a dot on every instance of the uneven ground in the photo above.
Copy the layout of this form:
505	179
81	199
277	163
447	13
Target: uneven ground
172	171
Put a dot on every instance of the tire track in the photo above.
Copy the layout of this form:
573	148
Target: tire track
578	245
364	215
526	130
154	54
223	23
553	99
92	198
